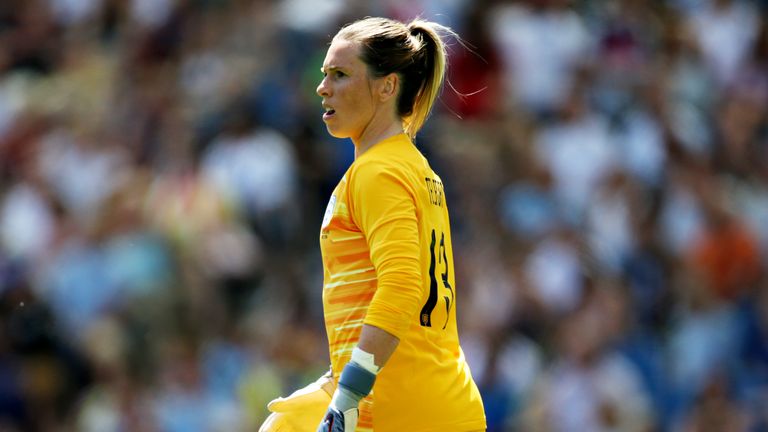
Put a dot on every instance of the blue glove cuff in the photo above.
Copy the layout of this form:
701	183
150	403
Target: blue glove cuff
355	378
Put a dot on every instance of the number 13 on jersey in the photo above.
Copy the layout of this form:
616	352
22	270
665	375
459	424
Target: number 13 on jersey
438	257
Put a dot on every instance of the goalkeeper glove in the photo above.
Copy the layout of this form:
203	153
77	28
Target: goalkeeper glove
300	411
355	383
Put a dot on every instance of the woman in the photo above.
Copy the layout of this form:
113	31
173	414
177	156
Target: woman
389	299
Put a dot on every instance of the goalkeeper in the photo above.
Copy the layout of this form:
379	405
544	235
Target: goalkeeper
389	295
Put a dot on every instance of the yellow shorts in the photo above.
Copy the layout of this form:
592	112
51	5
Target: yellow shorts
303	410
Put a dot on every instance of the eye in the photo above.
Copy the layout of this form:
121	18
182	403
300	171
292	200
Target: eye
335	73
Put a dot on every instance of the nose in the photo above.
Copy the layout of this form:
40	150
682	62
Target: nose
322	88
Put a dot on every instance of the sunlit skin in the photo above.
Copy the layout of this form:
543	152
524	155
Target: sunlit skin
357	105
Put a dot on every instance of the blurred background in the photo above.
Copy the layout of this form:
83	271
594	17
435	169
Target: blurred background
164	171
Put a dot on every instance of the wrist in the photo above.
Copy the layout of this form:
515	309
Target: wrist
355	383
344	399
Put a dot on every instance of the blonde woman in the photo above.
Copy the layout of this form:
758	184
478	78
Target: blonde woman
389	292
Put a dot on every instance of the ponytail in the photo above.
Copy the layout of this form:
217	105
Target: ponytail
431	74
415	51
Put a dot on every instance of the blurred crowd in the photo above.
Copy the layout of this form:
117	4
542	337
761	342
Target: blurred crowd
164	170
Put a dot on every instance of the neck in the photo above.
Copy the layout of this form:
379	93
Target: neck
374	133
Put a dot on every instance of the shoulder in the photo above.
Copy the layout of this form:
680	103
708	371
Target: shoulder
377	170
384	177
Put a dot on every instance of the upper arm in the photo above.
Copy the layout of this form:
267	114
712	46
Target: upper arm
384	207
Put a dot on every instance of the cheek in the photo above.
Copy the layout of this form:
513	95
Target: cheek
357	106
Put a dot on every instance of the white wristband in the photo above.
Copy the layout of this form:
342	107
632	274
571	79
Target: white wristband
365	360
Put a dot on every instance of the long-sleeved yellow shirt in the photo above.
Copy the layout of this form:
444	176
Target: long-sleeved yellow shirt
388	262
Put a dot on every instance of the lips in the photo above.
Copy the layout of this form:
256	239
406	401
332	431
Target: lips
329	112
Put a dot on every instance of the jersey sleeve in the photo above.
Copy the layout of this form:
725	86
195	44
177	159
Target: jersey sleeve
384	208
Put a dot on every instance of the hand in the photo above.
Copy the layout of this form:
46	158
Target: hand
337	421
300	411
354	384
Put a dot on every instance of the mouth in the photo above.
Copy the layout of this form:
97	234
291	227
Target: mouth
329	112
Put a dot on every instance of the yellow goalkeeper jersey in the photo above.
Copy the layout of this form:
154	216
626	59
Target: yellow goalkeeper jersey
388	262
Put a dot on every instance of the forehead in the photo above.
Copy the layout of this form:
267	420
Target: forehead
343	54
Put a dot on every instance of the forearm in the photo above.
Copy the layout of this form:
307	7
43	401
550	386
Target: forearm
371	354
377	342
356	381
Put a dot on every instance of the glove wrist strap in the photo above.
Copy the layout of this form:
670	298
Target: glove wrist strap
357	379
344	399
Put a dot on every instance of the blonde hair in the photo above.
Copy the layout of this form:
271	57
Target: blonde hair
415	51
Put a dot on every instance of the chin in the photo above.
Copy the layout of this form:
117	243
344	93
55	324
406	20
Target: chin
336	133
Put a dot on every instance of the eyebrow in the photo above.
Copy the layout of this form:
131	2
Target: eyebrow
329	69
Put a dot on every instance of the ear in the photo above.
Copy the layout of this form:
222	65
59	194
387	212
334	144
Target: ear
388	87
